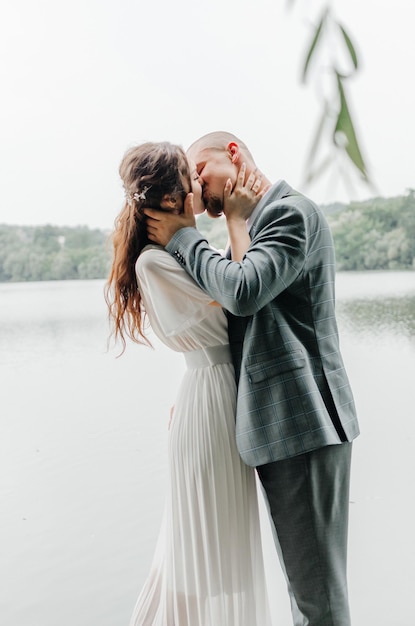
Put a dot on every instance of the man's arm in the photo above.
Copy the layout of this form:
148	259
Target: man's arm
263	270
162	225
273	261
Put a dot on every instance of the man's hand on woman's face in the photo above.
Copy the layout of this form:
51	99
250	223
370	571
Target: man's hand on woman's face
162	225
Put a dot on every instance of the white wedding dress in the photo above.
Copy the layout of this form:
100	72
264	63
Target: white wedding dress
208	565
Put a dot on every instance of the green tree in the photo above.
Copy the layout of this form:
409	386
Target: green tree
331	53
52	253
376	234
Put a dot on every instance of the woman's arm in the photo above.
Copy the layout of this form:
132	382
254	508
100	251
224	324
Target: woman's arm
238	206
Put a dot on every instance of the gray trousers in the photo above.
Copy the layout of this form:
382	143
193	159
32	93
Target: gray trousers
308	502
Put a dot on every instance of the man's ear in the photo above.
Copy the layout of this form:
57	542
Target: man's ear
234	151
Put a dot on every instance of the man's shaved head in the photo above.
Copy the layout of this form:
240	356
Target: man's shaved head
217	140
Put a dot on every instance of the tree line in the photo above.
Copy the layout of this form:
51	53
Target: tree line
34	253
378	234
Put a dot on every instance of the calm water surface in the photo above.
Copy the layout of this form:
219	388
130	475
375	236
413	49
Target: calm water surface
83	455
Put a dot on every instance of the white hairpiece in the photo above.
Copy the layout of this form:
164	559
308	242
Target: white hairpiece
137	195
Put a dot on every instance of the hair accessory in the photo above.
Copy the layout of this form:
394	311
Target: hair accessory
141	195
138	195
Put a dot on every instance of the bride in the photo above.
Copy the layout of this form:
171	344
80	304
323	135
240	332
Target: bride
207	568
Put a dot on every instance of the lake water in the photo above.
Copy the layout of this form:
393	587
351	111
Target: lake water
83	455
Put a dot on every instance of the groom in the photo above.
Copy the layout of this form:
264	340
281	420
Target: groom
295	415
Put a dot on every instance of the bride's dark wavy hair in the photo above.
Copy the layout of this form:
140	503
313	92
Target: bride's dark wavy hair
156	169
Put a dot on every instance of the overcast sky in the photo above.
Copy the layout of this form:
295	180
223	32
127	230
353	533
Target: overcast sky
82	81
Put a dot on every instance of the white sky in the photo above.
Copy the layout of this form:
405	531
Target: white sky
82	81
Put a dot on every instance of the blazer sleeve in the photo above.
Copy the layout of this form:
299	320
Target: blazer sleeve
273	261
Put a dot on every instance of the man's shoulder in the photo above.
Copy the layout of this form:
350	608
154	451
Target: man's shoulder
284	206
285	195
282	197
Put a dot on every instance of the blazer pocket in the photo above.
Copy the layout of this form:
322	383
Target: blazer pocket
282	362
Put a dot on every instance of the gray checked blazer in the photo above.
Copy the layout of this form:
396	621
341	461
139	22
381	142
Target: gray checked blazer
293	392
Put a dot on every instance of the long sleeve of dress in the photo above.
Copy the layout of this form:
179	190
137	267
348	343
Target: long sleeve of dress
171	297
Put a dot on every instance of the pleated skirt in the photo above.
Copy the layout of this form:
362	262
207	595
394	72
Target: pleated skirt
207	568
